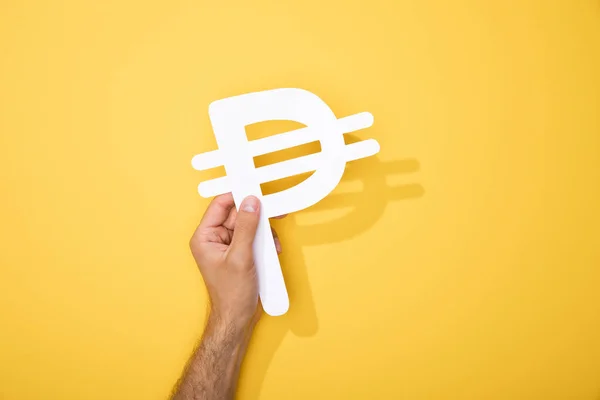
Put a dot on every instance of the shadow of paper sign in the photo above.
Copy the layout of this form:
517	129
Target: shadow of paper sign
360	201
230	116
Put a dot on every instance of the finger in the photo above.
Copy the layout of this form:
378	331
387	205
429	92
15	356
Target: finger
217	211
276	240
230	221
246	224
280	216
218	234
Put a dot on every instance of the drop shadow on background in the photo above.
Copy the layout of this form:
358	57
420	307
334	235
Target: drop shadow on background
363	208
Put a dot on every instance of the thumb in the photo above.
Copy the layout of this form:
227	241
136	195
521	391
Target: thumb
246	224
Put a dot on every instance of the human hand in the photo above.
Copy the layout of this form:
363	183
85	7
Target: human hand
222	248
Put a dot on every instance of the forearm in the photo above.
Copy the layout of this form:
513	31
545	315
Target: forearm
214	368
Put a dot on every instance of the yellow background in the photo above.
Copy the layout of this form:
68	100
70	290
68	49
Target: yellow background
460	263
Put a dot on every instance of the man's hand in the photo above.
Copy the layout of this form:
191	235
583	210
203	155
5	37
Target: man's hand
222	248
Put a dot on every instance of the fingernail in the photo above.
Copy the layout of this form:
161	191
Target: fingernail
250	204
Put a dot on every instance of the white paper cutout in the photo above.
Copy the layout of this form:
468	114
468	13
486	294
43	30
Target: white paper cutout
229	118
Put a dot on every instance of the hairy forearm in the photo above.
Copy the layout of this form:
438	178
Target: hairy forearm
213	370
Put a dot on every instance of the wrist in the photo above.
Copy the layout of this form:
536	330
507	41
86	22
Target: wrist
234	327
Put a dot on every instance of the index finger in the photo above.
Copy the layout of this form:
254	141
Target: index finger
217	211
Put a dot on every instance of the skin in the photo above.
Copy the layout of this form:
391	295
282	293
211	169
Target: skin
222	248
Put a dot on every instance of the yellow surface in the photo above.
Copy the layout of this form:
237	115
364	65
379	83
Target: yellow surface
461	263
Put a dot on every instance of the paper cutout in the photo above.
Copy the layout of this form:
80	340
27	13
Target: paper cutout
229	118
